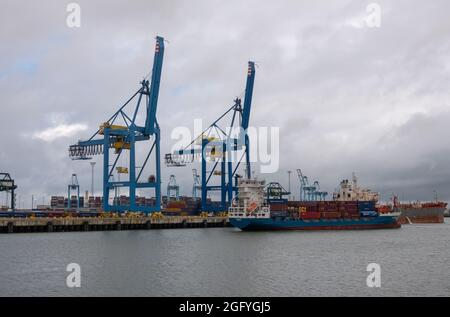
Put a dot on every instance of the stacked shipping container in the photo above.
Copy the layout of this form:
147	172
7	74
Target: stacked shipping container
328	209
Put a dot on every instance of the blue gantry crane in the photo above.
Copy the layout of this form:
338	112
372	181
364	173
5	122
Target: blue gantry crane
218	150
121	133
305	188
73	186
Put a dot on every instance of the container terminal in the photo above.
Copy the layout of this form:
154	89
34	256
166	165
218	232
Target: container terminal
245	202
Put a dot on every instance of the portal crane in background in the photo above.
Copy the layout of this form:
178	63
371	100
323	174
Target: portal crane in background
219	149
310	192
173	189
73	186
123	137
8	185
196	185
306	190
319	195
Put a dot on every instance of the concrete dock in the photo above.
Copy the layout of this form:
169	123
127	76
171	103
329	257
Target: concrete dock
22	225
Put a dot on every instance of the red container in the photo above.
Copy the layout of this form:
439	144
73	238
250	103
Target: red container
347	206
310	215
278	207
331	215
176	204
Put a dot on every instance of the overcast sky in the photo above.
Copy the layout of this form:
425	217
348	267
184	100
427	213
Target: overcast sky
347	97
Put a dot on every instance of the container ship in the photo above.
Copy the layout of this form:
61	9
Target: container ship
254	209
417	212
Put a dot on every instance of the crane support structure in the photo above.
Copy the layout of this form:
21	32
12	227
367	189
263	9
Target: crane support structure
218	150
122	137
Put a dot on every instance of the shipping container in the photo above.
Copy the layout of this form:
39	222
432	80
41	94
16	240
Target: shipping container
278	201
310	215
366	205
371	213
350	215
173	209
278	207
278	213
331	215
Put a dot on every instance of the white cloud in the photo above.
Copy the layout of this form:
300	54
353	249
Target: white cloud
59	131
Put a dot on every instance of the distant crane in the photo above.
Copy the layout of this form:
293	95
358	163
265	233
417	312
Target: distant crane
306	190
73	186
173	187
319	195
7	185
122	138
197	184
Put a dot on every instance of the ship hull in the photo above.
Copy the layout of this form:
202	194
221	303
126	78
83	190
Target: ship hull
267	224
422	215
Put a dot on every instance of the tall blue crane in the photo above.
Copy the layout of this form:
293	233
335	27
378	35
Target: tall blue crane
218	150
123	137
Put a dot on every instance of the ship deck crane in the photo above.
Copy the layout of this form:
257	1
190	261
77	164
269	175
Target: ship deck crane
218	150
73	186
123	137
7	185
274	191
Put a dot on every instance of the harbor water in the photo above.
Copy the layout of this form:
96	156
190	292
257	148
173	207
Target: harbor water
414	261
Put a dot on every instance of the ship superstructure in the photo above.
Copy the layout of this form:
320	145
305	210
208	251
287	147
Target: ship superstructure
350	191
250	201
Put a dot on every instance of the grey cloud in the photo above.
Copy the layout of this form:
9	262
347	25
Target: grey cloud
373	101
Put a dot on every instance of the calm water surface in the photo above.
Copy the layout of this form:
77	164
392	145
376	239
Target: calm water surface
415	260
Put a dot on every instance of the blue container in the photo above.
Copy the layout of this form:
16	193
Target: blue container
277	201
366	205
370	213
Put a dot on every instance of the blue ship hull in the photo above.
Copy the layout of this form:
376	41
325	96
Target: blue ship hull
363	223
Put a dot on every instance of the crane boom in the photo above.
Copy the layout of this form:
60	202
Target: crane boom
154	89
248	95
